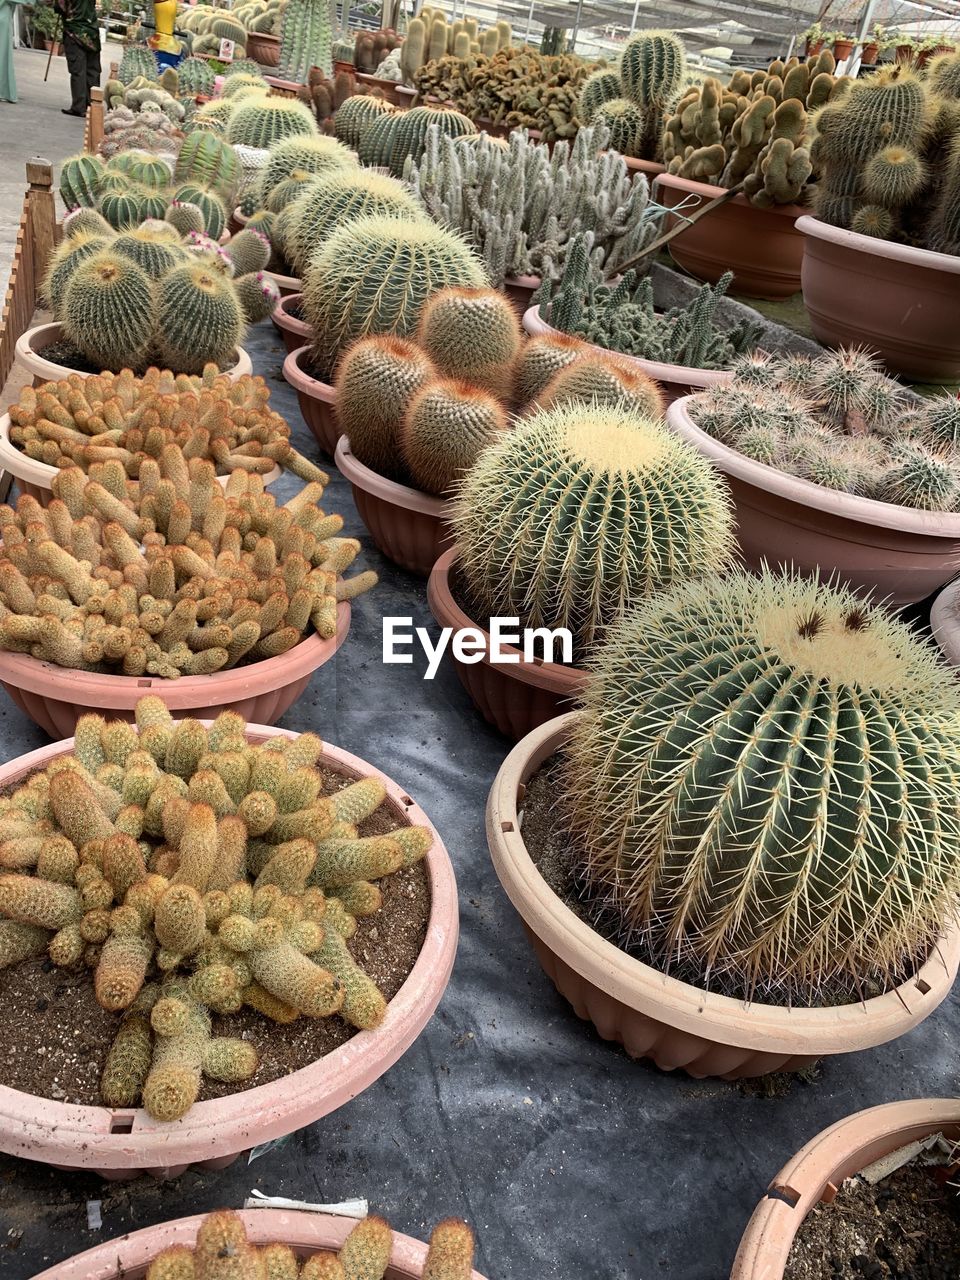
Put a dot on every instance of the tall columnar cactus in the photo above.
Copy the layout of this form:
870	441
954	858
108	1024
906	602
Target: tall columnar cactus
374	276
326	206
306	37
209	162
472	335
580	511
377	379
409	133
263	122
773	841
413	54
447	426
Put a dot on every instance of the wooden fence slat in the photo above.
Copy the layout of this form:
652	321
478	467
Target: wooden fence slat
37	236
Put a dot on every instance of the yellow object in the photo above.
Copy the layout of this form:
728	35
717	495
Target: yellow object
164	16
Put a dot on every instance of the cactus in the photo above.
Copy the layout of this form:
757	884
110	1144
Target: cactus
410	132
833	886
414	50
84	221
257	294
196	76
599	87
141	168
377	379
540	360
64	261
602	381
211	207
137	61
472	335
446	427
374	275
305	155
357	110
661	516
209	162
108	310
123	209
154	255
306	36
248	250
624	122
328	205
652	71
377	135
263	122
199	318
184	217
79	181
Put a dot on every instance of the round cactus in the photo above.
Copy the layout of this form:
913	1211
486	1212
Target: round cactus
582	510
763	784
64	261
123	209
377	379
893	177
600	87
332	202
446	427
374	275
376	139
207	161
652	68
85	221
79	181
108	311
263	122
873	220
357	112
919	478
198	318
196	76
142	168
307	155
248	250
598	380
210	206
184	217
287	190
257	295
625	122
937	421
215	114
409	134
473	335
540	359
153	254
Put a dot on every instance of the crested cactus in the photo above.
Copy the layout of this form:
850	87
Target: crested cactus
306	37
377	378
472	335
768	850
446	427
661	515
263	122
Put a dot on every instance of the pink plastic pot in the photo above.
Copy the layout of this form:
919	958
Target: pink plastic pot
55	697
409	527
676	380
123	1143
294	331
678	1025
128	1257
817	1171
316	400
901	553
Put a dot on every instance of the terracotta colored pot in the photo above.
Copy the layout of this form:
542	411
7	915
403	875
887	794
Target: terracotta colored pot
263	48
945	622
659	1017
520	289
649	168
870	54
128	1257
55	697
899	301
762	247
389	88
517	696
283	88
36	478
294	331
904	53
316	400
30	347
408	526
842	49
675	380
406	97
901	553
286	284
123	1143
817	1171
814	47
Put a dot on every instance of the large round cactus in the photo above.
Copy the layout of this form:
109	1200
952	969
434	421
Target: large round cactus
764	785
199	318
80	178
374	275
355	113
582	510
325	206
263	122
600	87
108	311
308	155
207	161
410	133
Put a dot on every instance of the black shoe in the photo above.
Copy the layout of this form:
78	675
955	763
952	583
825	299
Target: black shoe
65	111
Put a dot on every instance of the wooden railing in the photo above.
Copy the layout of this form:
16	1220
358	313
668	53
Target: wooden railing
93	128
37	236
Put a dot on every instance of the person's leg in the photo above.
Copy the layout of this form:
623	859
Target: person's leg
93	70
77	66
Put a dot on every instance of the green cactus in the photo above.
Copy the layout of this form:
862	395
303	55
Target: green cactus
209	162
601	381
226	28
921	479
652	71
196	76
248	250
377	379
320	155
357	111
626	125
79	181
410	132
142	168
599	87
123	208
137	61
184	217
377	137
659	514
539	361
84	221
211	207
306	38
64	260
154	255
473	335
446	427
198	318
108	311
257	294
374	276
757	841
263	122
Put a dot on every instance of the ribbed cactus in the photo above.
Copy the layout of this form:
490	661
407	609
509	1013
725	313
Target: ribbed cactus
79	181
446	427
211	207
263	122
64	260
196	76
652	68
153	253
257	294
596	380
377	378
582	510
199	318
209	162
626	125
306	36
184	217
320	155
357	111
108	311
141	168
540	360
377	135
338	200
123	208
85	221
410	133
374	275
771	842
600	87
413	53
137	61
248	250
473	335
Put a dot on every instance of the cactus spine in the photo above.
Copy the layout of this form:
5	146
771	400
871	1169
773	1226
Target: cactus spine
306	37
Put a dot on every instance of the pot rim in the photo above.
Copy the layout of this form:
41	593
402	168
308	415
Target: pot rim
293	283
820	1166
722	1019
710	192
30	345
306	1232
857	243
883	515
122	693
552	676
282	318
80	1136
31	471
391	491
304	383
681	374
945	621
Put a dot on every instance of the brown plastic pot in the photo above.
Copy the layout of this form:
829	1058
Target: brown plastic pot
283	88
294	331
55	697
517	696
945	622
899	553
762	247
410	527
655	1016
121	1143
316	400
842	49
390	89
520	289
649	168
287	285
817	1171
900	301
870	54
128	1257
30	347
675	380
263	48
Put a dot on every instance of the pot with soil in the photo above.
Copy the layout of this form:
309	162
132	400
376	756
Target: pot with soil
895	299
634	891
289	322
762	247
842	49
305	1234
263	48
315	397
182	1064
863	1179
870	54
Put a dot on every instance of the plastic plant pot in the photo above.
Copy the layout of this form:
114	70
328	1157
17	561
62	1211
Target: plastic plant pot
520	289
263	48
294	331
316	400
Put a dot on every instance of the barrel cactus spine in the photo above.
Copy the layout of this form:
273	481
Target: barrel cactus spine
446	427
410	132
376	380
473	335
108	311
79	181
344	197
263	122
199	318
207	161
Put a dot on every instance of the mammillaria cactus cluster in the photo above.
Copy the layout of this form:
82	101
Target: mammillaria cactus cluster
195	873
837	421
631	101
364	1255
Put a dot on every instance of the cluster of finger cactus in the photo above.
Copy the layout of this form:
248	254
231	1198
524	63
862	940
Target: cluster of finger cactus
633	101
108	418
364	1255
143	95
392	139
522	205
430	37
583	509
837	421
889	156
622	317
772	842
306	37
195	872
369	48
754	130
